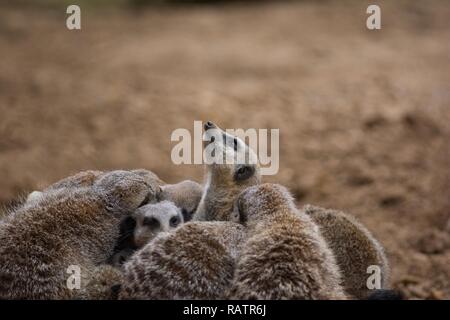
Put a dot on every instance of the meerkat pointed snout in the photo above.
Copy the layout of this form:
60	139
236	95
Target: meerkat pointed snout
153	219
231	167
195	261
285	256
172	199
209	125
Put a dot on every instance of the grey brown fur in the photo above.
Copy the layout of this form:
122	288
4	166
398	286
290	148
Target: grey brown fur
74	222
223	183
285	256
354	247
185	195
196	261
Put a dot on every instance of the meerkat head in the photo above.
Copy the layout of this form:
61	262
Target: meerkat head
185	195
231	167
152	219
258	202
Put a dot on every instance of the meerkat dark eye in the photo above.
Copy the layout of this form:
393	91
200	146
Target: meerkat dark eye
150	222
244	173
235	144
212	139
174	221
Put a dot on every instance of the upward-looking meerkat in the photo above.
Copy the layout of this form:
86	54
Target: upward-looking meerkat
285	256
224	181
354	247
67	226
197	261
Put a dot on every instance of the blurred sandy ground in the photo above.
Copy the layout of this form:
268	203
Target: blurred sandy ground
363	115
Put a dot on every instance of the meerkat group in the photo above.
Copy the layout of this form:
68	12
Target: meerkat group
75	223
139	238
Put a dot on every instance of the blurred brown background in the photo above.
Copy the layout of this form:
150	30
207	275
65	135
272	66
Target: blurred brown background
363	115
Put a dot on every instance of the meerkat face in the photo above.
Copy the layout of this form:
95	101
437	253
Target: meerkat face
231	167
261	201
230	161
185	195
152	219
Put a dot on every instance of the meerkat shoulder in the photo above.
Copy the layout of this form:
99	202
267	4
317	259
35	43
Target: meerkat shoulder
285	256
196	261
66	226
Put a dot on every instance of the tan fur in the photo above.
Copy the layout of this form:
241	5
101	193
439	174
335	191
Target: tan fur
74	222
221	187
104	284
285	256
185	195
196	261
354	247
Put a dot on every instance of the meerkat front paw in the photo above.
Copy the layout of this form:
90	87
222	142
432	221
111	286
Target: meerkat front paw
126	190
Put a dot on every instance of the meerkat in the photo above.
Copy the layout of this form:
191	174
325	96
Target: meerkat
196	261
149	221
224	181
285	256
185	195
354	247
67	226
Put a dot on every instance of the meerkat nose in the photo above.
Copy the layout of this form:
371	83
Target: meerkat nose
209	125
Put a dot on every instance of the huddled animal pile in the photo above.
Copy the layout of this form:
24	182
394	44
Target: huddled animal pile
135	237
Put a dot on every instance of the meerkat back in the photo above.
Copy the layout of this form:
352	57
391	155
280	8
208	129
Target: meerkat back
354	247
285	256
66	227
196	261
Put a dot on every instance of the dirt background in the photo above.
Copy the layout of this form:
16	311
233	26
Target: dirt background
363	115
